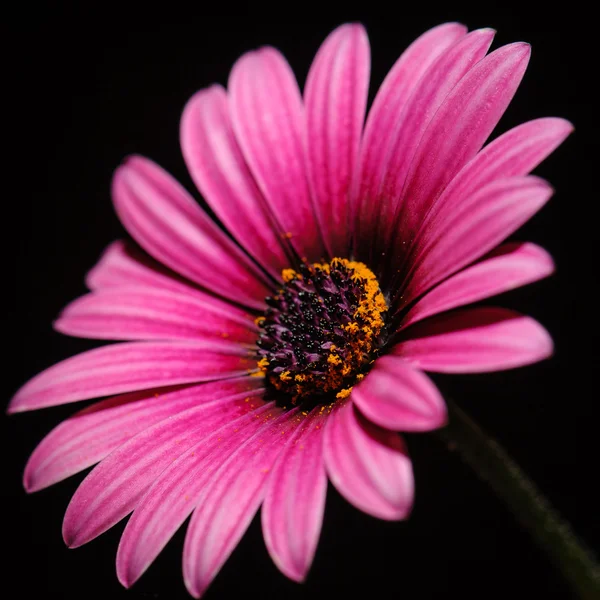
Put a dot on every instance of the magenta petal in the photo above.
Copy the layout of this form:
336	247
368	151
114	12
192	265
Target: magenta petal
335	96
147	313
508	267
396	396
474	341
230	500
167	222
368	465
460	236
93	433
175	493
116	486
292	513
123	264
458	131
431	91
218	168
515	153
128	367
388	104
268	121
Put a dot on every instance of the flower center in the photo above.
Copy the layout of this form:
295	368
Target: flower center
322	330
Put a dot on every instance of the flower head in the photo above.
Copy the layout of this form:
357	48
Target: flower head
253	369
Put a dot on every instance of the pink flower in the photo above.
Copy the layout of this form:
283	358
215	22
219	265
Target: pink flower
258	368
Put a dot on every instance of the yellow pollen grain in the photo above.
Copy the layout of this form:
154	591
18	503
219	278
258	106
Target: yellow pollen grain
343	393
285	376
351	327
288	274
334	359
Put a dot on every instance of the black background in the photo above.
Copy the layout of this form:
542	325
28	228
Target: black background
85	90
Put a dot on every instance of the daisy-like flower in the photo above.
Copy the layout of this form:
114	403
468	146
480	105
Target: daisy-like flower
259	364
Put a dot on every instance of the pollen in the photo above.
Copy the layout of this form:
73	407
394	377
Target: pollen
322	330
288	274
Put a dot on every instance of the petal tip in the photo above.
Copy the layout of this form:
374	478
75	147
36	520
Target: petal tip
486	32
124	577
69	536
566	127
16	402
58	323
30	484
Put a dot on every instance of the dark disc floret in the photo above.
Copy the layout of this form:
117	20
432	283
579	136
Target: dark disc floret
322	330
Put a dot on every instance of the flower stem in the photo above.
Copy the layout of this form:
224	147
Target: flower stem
552	534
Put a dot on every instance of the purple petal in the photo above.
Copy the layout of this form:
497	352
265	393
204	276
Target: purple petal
268	121
147	313
175	494
459	237
93	433
292	513
475	340
396	396
229	502
336	97
128	367
218	168
508	267
115	487
167	222
458	131
388	104
368	465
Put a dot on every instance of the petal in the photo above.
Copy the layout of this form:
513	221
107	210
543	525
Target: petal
515	153
458	131
116	486
336	98
175	494
145	313
93	433
389	101
218	168
229	502
268	121
508	267
431	91
368	465
459	237
123	264
292	513
475	340
128	367
167	222
396	396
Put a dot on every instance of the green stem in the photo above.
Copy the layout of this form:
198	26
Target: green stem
552	534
